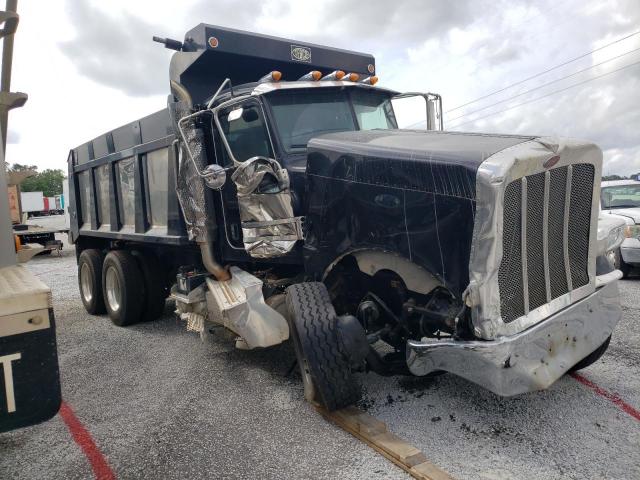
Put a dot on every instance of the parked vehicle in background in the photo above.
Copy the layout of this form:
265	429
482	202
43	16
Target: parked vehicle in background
35	204
610	236
277	197
621	199
32	203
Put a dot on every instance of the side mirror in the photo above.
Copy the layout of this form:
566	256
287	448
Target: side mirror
214	176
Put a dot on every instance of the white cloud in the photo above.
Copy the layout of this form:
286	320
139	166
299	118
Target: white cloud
90	66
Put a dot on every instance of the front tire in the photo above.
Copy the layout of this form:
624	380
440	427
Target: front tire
123	288
90	281
324	366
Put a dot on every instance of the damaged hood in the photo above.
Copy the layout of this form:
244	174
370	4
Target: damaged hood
405	191
442	163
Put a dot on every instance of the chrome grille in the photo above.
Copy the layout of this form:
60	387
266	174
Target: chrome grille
545	238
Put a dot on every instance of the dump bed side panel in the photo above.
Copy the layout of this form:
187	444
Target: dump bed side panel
122	184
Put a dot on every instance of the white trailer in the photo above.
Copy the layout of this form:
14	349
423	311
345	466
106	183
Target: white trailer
31	202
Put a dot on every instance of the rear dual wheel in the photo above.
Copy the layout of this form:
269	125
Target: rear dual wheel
122	286
130	287
90	281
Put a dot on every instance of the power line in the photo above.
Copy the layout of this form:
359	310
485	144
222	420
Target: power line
545	84
542	73
531	35
548	94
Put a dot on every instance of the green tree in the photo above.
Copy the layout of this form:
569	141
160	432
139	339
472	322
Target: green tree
49	182
16	167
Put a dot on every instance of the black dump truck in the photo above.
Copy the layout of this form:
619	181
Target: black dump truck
276	196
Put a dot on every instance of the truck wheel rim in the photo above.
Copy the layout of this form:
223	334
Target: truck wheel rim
112	285
85	283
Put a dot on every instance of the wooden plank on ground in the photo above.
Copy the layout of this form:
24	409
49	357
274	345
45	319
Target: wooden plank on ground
374	433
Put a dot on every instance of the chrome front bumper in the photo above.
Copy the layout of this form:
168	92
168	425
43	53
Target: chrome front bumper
532	359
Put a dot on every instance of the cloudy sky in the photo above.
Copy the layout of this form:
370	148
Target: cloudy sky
90	66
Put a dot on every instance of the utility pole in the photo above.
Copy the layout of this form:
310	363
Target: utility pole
8	100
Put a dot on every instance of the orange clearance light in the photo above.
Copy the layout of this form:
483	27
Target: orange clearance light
352	77
274	76
313	75
335	75
370	80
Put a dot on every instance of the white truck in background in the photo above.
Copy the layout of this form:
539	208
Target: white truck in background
35	204
31	203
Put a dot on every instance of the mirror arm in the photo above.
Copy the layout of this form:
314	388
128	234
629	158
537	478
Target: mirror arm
428	96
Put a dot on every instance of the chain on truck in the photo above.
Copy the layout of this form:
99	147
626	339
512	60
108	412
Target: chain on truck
276	196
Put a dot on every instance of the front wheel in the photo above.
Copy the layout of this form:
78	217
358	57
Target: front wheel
324	365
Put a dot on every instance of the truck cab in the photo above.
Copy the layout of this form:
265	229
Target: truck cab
284	195
276	119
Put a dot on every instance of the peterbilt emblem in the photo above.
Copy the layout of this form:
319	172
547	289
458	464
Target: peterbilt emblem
300	54
551	162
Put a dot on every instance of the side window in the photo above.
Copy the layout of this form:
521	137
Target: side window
244	128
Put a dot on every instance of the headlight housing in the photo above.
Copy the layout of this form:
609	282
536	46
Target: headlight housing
611	238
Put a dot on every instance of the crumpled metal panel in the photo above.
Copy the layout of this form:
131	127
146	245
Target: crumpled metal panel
190	186
532	359
238	304
269	228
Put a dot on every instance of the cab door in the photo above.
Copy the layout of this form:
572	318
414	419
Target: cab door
256	202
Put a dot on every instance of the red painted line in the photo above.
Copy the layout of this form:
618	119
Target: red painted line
82	437
612	397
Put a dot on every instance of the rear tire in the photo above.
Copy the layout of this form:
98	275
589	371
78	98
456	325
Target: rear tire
123	288
593	357
320	354
155	292
90	281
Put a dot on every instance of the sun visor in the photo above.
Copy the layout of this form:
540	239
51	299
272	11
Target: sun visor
211	53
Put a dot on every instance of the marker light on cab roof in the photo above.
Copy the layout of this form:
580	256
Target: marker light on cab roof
372	80
313	75
335	75
273	76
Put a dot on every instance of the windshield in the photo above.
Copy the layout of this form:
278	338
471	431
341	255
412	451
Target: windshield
373	109
620	196
301	115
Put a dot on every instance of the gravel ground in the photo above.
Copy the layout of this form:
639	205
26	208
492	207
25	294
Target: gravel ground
160	403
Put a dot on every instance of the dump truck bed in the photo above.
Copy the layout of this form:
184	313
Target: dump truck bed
122	184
